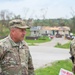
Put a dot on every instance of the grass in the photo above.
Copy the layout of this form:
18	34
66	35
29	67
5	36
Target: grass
55	68
40	40
66	46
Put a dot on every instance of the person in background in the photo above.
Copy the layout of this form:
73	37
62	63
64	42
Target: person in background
15	57
72	53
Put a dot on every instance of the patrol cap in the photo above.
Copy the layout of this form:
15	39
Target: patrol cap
18	23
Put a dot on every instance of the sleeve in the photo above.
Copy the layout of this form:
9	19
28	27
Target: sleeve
30	65
1	53
73	49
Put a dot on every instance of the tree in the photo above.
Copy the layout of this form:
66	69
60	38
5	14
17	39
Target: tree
2	17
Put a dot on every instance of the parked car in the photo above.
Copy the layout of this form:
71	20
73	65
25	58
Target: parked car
58	35
70	37
51	36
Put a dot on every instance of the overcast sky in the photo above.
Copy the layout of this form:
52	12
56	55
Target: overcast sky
36	8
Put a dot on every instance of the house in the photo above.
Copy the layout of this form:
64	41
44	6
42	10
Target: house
35	31
47	30
55	30
64	30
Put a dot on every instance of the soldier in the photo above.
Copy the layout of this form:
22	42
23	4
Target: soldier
72	52
15	58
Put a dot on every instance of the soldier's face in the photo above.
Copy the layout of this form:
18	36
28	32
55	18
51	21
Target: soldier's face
19	34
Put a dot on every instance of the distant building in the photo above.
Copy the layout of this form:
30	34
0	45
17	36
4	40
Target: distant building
47	30
35	31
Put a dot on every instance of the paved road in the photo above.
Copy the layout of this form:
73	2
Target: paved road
43	55
54	42
46	53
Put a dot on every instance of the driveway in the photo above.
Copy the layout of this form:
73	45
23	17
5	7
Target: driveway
54	41
45	53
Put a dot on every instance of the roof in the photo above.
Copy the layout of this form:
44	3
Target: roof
55	28
35	28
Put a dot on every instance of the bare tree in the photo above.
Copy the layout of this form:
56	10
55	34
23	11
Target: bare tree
44	12
5	16
25	12
29	21
2	17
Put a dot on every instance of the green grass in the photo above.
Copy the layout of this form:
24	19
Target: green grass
66	46
55	68
37	41
40	40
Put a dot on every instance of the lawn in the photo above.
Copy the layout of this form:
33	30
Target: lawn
55	68
66	46
40	40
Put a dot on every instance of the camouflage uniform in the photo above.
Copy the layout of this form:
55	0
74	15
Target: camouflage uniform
72	52
15	59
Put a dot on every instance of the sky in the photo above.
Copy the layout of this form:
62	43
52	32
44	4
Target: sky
37	8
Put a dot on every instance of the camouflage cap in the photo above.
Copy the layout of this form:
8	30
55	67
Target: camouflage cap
18	23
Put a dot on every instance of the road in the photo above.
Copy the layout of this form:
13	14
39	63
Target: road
54	42
45	54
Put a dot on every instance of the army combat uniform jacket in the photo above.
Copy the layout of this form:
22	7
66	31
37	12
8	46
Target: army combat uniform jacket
72	49
15	59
